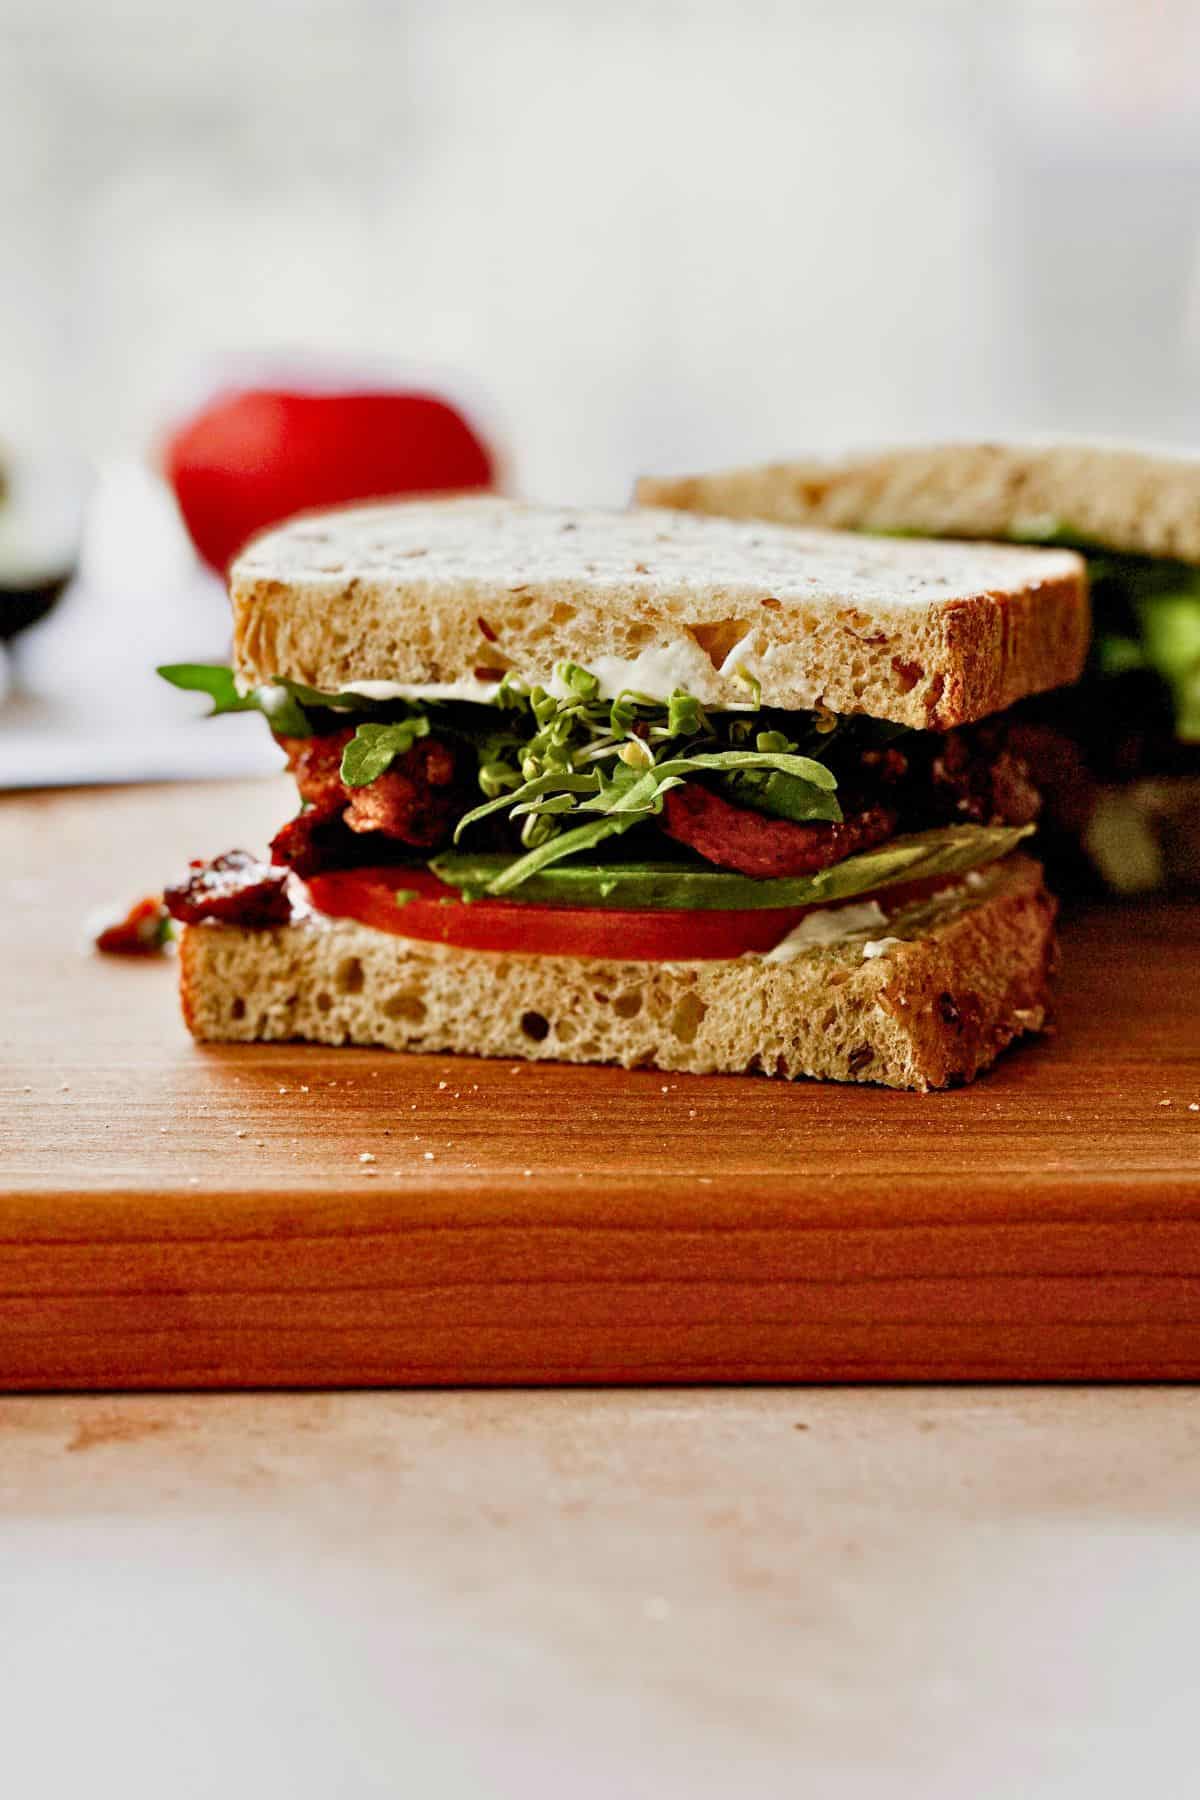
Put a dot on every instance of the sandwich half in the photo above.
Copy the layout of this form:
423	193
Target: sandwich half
1118	757
641	788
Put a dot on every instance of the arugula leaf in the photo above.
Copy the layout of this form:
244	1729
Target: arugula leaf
626	791
688	885
781	796
1147	616
373	749
282	703
1171	638
568	843
211	679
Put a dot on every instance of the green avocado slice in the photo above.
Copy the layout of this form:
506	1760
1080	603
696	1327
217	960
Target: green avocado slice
639	886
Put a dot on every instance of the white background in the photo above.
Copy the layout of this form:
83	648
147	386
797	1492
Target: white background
644	235
631	236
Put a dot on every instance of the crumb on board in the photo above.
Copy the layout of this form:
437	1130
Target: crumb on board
366	1156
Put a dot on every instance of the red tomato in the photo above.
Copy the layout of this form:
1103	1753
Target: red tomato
258	455
437	914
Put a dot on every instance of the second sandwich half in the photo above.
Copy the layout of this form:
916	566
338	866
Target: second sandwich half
639	787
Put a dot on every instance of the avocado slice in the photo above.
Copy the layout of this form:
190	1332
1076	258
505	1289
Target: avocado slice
647	885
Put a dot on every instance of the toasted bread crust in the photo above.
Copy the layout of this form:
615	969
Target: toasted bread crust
927	1008
931	636
1125	499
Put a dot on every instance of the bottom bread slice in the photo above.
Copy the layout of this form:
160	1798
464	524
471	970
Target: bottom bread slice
924	999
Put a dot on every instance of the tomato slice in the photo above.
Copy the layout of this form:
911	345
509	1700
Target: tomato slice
438	914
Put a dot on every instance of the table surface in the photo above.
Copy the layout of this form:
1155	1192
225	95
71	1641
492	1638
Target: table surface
672	1595
190	1217
669	1593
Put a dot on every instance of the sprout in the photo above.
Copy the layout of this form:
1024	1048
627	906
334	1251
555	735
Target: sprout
634	752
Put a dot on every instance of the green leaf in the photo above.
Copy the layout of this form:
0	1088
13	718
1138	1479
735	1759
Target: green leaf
1171	635
953	850
520	796
780	796
1116	655
373	749
211	679
567	843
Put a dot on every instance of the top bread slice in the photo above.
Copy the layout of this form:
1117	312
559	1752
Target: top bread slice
1142	502
455	592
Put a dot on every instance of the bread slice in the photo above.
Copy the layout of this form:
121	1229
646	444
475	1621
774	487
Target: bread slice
453	593
923	999
1143	502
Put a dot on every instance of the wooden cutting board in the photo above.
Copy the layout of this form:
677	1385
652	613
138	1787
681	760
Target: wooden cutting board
178	1217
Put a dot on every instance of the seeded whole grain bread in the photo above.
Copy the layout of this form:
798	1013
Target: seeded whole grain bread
1143	502
925	1000
441	592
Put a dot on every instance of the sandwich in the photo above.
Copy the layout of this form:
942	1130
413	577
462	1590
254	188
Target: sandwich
1117	757
640	788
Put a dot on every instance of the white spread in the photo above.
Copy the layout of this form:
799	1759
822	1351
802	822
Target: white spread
835	924
829	925
469	687
657	673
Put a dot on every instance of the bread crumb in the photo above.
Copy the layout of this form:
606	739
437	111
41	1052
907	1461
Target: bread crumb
428	1155
304	1087
1165	1103
368	1171
239	1134
366	1156
283	1090
1194	1105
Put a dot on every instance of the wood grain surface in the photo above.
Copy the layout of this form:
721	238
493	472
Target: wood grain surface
178	1217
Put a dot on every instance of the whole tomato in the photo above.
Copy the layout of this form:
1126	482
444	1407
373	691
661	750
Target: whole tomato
255	456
